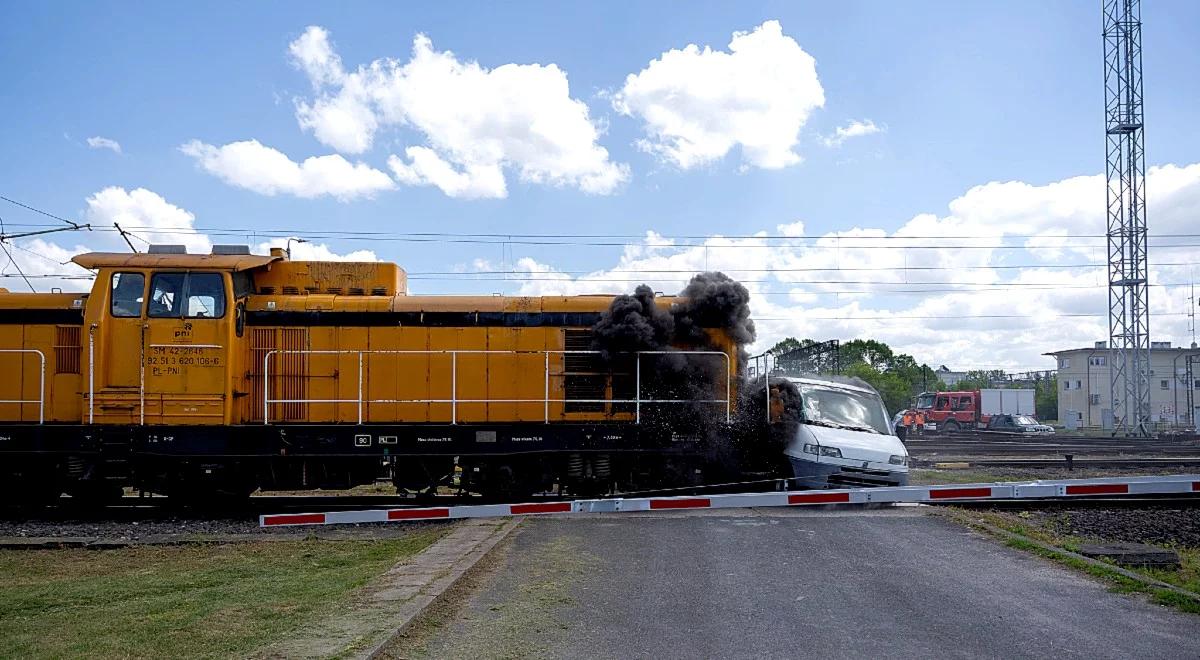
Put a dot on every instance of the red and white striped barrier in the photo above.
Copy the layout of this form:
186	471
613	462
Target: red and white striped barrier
1062	488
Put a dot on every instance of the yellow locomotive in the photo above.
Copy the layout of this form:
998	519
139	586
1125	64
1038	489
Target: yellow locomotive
211	374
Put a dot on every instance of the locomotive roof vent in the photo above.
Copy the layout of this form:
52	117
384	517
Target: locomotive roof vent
167	249
231	249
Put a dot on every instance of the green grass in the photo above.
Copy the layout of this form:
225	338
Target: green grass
931	476
198	601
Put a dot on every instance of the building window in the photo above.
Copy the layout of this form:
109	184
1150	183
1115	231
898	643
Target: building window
1066	384
1098	361
1079	384
1064	363
1164	384
1095	399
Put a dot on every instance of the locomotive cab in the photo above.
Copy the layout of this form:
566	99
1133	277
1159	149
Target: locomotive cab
161	335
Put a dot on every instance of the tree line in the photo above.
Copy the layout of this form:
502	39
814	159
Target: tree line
898	377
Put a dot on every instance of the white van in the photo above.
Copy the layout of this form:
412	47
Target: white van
845	437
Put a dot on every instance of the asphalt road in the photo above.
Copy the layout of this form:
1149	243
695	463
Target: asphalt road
788	584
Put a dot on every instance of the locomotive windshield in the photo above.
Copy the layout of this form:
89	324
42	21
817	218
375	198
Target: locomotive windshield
844	408
192	295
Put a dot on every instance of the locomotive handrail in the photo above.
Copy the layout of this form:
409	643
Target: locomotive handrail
41	400
454	400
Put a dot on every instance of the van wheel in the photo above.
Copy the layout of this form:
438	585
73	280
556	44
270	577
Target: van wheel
952	426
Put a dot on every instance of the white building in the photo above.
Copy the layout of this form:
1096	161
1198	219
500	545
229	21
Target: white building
950	378
1084	385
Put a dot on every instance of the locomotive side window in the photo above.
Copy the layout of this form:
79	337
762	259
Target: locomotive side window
127	291
205	296
191	295
166	295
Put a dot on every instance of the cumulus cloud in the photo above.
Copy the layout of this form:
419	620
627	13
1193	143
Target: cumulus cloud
98	142
854	129
477	123
253	166
697	104
303	250
149	215
1003	299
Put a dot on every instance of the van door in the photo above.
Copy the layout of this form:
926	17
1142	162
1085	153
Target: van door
185	347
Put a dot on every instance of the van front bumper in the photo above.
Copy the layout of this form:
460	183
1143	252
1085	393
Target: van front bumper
810	474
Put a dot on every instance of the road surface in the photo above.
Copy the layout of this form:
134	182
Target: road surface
787	584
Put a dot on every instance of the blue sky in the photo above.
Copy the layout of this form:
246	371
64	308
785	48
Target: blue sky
964	94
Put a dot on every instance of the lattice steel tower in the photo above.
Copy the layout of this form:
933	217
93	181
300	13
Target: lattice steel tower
1128	311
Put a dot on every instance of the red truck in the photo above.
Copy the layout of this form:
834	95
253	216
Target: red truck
973	409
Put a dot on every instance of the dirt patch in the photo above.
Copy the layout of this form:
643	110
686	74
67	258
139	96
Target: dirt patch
505	610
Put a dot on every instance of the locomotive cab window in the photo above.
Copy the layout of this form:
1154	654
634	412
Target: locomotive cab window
127	292
189	295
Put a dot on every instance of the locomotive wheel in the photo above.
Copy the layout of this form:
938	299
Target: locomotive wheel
953	426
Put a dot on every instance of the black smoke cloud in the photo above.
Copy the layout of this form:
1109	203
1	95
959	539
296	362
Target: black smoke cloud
710	301
714	300
633	323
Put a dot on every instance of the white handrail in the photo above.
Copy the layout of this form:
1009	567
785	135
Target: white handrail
454	400
41	400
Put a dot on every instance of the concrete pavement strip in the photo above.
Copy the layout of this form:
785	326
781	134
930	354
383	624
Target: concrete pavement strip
384	608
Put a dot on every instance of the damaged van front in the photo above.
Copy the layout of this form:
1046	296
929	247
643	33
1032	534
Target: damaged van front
844	437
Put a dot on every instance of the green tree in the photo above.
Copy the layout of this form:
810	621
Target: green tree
1046	398
785	345
875	354
894	389
979	379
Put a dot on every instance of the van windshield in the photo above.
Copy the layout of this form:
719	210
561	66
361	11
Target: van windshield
844	408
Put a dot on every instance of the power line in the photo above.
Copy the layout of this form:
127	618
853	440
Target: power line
27	207
4	246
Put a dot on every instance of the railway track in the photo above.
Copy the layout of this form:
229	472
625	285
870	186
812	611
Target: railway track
1005	450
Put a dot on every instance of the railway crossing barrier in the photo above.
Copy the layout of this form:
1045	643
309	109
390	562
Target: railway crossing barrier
1025	490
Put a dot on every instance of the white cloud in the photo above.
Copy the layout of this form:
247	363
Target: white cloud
312	53
98	142
697	104
854	129
1001	303
148	215
253	166
476	122
309	251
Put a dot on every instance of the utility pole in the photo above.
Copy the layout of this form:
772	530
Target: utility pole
1128	310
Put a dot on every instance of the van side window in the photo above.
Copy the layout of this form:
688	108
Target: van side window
127	292
205	296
